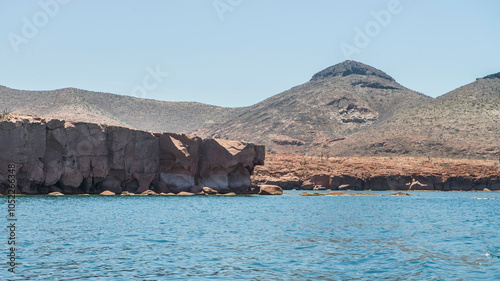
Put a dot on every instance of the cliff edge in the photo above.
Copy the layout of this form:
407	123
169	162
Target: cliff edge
53	155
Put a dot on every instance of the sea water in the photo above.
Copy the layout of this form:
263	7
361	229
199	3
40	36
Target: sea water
425	236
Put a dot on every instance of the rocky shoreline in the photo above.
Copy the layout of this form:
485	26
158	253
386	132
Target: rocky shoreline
62	157
291	171
53	156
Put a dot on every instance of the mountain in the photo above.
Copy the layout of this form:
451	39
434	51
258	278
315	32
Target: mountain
464	123
142	114
349	109
339	101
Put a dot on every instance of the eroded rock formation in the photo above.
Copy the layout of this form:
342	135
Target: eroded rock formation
291	171
53	155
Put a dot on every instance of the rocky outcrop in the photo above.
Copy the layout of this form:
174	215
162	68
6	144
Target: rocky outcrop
391	182
268	189
378	173
53	155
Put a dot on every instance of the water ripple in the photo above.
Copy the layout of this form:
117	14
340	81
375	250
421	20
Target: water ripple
427	236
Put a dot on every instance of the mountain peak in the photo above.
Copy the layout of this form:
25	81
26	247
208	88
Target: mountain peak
492	76
349	67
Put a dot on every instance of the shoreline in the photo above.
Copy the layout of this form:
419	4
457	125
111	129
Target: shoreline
291	171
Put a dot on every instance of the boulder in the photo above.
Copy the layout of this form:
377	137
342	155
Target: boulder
208	190
270	190
126	193
149	192
55	193
184	193
107	193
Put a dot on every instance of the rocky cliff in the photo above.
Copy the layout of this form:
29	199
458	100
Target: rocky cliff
291	171
53	155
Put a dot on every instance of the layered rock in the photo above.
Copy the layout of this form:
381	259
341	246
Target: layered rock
53	155
291	171
389	182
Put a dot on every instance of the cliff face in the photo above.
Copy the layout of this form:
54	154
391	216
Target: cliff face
77	157
291	171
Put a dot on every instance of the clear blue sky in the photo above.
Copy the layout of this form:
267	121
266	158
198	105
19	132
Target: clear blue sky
246	51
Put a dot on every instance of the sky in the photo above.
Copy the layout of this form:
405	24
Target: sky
239	52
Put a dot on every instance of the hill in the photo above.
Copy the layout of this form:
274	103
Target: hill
87	106
349	109
464	123
339	101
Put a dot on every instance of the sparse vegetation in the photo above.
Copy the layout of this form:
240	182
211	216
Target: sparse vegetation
4	113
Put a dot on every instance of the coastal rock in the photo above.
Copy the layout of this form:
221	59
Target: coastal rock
55	193
286	182
343	182
179	161
321	180
107	193
184	193
149	192
208	190
319	187
126	193
494	185
270	190
400	194
54	155
337	193
226	165
196	189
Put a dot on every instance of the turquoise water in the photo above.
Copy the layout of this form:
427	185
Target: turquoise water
427	236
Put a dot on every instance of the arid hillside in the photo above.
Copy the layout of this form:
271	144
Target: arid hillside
341	100
464	123
349	109
87	106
